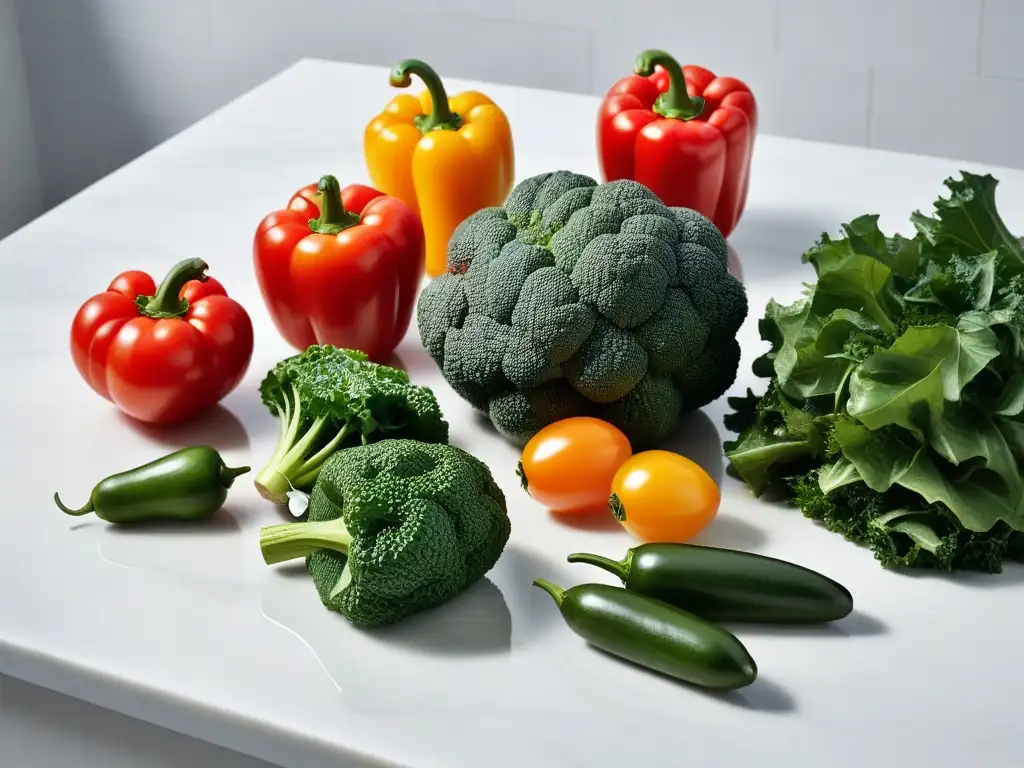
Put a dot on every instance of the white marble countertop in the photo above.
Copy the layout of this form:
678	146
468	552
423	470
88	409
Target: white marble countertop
189	629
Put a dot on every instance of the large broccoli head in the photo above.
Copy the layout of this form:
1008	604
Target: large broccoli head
579	298
395	527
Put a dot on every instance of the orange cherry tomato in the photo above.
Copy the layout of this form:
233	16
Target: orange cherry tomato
568	466
662	496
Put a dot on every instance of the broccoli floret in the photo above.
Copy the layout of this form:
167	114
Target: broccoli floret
327	399
579	298
395	527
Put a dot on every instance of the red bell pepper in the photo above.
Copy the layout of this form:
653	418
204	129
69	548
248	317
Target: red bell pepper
162	354
684	133
341	267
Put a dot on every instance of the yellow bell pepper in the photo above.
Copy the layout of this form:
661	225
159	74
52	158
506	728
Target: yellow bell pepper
445	157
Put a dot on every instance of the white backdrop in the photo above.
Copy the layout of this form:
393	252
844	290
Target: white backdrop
107	79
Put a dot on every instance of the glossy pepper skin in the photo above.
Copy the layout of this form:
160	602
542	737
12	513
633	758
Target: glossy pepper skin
187	485
654	634
166	354
727	585
445	157
340	267
684	133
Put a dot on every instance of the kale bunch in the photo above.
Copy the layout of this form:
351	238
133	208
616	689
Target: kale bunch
894	410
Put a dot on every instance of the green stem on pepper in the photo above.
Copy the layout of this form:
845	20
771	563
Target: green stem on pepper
618	567
167	301
76	512
676	102
228	474
441	117
552	589
333	216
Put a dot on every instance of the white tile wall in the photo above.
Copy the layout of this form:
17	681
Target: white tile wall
956	115
1001	51
930	76
928	35
20	196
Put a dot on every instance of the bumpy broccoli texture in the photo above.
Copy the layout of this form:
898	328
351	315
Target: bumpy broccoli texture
395	527
328	398
578	298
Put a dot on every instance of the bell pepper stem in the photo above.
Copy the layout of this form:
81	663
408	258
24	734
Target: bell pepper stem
167	301
76	512
441	117
552	589
333	216
676	102
619	568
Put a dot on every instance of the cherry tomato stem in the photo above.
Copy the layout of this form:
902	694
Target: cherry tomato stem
568	466
662	496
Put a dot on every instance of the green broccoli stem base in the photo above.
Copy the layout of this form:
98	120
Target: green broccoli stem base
272	485
290	541
290	468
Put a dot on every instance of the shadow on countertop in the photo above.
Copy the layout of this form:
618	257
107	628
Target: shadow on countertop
697	438
217	427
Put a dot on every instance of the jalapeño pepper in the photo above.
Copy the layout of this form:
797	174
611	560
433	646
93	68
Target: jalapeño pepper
187	485
654	634
727	585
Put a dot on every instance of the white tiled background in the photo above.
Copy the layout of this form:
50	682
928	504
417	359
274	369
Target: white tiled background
107	79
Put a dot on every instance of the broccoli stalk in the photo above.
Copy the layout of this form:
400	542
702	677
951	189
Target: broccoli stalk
327	399
395	527
293	465
290	541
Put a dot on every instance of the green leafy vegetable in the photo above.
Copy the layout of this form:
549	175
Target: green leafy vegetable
894	410
327	399
395	527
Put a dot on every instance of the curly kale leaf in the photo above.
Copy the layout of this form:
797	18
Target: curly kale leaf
894	414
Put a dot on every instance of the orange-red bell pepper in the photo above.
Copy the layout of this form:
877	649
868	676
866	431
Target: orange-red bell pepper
446	157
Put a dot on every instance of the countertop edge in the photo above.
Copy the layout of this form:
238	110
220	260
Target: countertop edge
199	720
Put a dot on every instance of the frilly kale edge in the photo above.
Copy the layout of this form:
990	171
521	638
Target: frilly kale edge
894	410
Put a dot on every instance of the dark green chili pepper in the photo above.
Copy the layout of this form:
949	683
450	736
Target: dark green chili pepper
189	484
728	585
654	634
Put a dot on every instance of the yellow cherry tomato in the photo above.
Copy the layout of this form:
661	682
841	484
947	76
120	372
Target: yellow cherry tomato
662	496
568	466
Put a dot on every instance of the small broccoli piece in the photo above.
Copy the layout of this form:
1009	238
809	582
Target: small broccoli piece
395	527
327	399
578	298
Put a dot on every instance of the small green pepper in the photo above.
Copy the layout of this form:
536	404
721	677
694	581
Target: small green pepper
726	584
186	485
654	634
